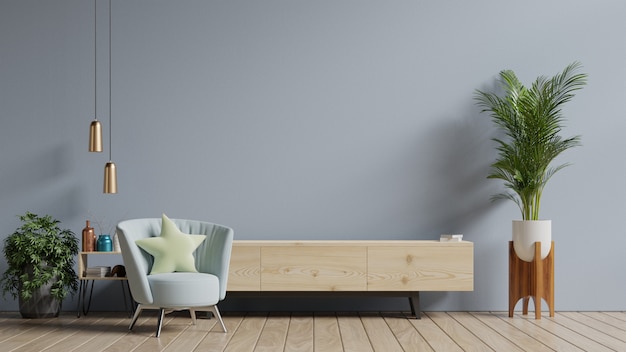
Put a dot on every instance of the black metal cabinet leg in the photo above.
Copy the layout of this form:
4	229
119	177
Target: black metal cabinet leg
414	301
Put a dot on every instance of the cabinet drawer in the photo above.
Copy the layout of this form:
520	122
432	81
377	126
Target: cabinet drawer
313	268
421	268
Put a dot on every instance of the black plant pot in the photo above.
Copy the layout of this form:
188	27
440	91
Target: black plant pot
40	305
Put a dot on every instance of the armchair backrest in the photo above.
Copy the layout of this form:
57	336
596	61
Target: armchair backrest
212	256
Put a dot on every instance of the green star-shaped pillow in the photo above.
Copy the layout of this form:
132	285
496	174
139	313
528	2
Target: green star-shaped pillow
172	250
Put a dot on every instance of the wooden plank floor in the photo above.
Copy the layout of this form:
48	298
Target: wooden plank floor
327	332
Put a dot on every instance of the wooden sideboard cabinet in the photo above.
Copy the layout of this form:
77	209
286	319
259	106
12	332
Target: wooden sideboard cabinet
400	268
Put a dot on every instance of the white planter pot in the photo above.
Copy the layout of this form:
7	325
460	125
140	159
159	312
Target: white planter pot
526	233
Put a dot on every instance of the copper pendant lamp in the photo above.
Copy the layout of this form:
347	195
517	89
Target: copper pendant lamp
110	171
95	129
110	178
95	136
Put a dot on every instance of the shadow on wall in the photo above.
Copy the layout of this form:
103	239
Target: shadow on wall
460	195
42	181
28	173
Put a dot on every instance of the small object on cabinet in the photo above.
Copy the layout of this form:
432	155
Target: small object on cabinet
451	238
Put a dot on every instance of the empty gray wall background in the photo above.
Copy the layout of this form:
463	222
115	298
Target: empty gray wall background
315	120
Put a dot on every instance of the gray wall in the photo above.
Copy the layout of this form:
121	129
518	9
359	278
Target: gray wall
315	120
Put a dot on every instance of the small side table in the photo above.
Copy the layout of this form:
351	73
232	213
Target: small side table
531	280
84	282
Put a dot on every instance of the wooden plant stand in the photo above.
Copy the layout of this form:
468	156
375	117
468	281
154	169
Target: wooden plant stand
531	279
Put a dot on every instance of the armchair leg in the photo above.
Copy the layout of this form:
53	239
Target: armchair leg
193	316
216	312
135	316
160	322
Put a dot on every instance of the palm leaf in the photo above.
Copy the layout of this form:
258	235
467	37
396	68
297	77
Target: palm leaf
531	119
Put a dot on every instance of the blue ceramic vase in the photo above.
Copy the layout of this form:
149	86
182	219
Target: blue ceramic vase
104	243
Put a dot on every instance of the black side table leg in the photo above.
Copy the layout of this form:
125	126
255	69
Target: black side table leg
129	308
81	285
87	304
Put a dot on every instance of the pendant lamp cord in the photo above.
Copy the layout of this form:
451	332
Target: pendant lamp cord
110	126
95	62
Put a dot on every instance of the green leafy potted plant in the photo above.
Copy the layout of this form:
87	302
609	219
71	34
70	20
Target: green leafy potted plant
531	121
40	257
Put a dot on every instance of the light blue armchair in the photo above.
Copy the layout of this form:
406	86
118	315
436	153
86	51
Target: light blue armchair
199	291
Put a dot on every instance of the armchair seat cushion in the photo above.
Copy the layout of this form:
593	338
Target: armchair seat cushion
184	289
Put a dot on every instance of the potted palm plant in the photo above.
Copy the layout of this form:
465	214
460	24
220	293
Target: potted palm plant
40	257
531	122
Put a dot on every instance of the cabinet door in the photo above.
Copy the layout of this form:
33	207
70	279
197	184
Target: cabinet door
421	268
245	269
313	268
